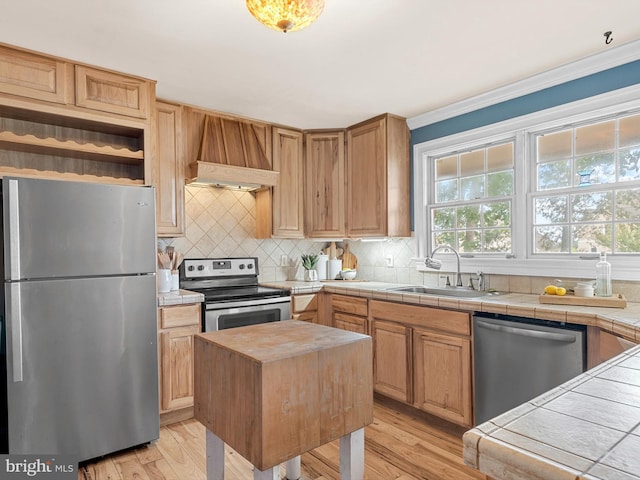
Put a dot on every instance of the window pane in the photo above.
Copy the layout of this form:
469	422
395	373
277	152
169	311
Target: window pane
601	167
591	238
551	239
554	175
628	237
497	240
499	184
500	157
469	241
472	163
497	214
469	216
596	138
444	238
555	146
629	164
447	168
446	191
591	207
444	218
551	209
628	204
629	131
472	187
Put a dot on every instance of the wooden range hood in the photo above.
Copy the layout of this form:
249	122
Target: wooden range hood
231	155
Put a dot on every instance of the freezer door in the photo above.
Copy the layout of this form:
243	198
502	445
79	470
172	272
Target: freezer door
88	359
56	229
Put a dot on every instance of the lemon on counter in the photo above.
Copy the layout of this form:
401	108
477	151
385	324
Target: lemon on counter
552	290
561	291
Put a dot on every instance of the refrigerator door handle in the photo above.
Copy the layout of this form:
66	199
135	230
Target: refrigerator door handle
14	230
14	323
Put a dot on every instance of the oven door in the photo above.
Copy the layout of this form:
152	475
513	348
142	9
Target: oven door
223	315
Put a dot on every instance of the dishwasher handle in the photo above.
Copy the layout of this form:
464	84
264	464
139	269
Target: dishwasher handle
525	332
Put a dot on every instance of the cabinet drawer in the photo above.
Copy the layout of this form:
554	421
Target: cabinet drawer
347	304
432	318
32	76
111	92
311	317
350	323
302	303
180	316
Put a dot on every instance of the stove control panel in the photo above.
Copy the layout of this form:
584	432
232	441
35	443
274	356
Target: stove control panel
220	267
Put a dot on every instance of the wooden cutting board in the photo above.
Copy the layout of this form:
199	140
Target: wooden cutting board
617	300
349	260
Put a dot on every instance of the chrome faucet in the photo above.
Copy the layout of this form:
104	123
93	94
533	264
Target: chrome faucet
431	262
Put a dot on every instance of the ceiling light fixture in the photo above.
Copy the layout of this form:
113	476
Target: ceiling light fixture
286	15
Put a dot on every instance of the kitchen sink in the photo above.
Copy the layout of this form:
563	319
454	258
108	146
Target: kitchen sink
461	292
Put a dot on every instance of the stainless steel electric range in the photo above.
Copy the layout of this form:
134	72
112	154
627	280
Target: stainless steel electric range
232	295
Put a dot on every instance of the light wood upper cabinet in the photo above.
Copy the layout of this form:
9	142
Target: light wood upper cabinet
34	76
378	178
113	92
169	170
324	184
442	375
288	201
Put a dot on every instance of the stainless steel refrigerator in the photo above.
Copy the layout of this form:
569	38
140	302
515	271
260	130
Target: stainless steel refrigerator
79	331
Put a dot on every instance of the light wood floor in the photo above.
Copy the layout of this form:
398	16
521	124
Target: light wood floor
401	443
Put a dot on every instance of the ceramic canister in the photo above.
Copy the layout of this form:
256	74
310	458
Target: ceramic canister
335	267
321	266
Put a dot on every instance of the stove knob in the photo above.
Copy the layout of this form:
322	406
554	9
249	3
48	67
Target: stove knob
200	267
250	266
190	268
241	266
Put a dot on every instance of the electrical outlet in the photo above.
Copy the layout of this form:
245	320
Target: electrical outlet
389	259
284	260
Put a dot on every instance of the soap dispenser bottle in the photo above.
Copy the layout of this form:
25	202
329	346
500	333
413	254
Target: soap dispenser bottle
603	276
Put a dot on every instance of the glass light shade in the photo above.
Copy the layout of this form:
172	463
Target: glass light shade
286	15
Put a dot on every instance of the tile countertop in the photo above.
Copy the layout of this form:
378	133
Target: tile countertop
587	428
178	298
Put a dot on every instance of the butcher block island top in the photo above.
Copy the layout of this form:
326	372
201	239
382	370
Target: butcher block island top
276	390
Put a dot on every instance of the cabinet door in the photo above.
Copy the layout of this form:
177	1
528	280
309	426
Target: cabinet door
367	180
350	323
442	381
325	184
391	360
169	170
288	202
176	380
112	92
33	76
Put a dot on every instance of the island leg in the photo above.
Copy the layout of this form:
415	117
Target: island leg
272	473
215	457
292	468
352	455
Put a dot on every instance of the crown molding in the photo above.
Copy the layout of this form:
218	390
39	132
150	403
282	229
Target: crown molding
599	62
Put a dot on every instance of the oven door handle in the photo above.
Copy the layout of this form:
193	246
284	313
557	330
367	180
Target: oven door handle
246	303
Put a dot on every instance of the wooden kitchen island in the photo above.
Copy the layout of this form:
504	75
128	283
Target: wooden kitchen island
274	391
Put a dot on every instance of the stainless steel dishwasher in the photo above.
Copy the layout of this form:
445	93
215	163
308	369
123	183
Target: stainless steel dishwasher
517	359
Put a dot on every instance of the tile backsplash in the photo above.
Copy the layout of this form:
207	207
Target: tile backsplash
221	223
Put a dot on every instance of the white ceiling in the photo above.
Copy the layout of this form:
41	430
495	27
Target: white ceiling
361	58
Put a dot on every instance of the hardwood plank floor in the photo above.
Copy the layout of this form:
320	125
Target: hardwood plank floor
402	443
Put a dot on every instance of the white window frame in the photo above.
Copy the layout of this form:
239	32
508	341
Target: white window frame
521	129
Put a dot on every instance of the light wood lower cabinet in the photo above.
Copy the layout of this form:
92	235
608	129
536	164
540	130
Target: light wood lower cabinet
422	356
392	365
178	325
349	313
442	375
305	307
